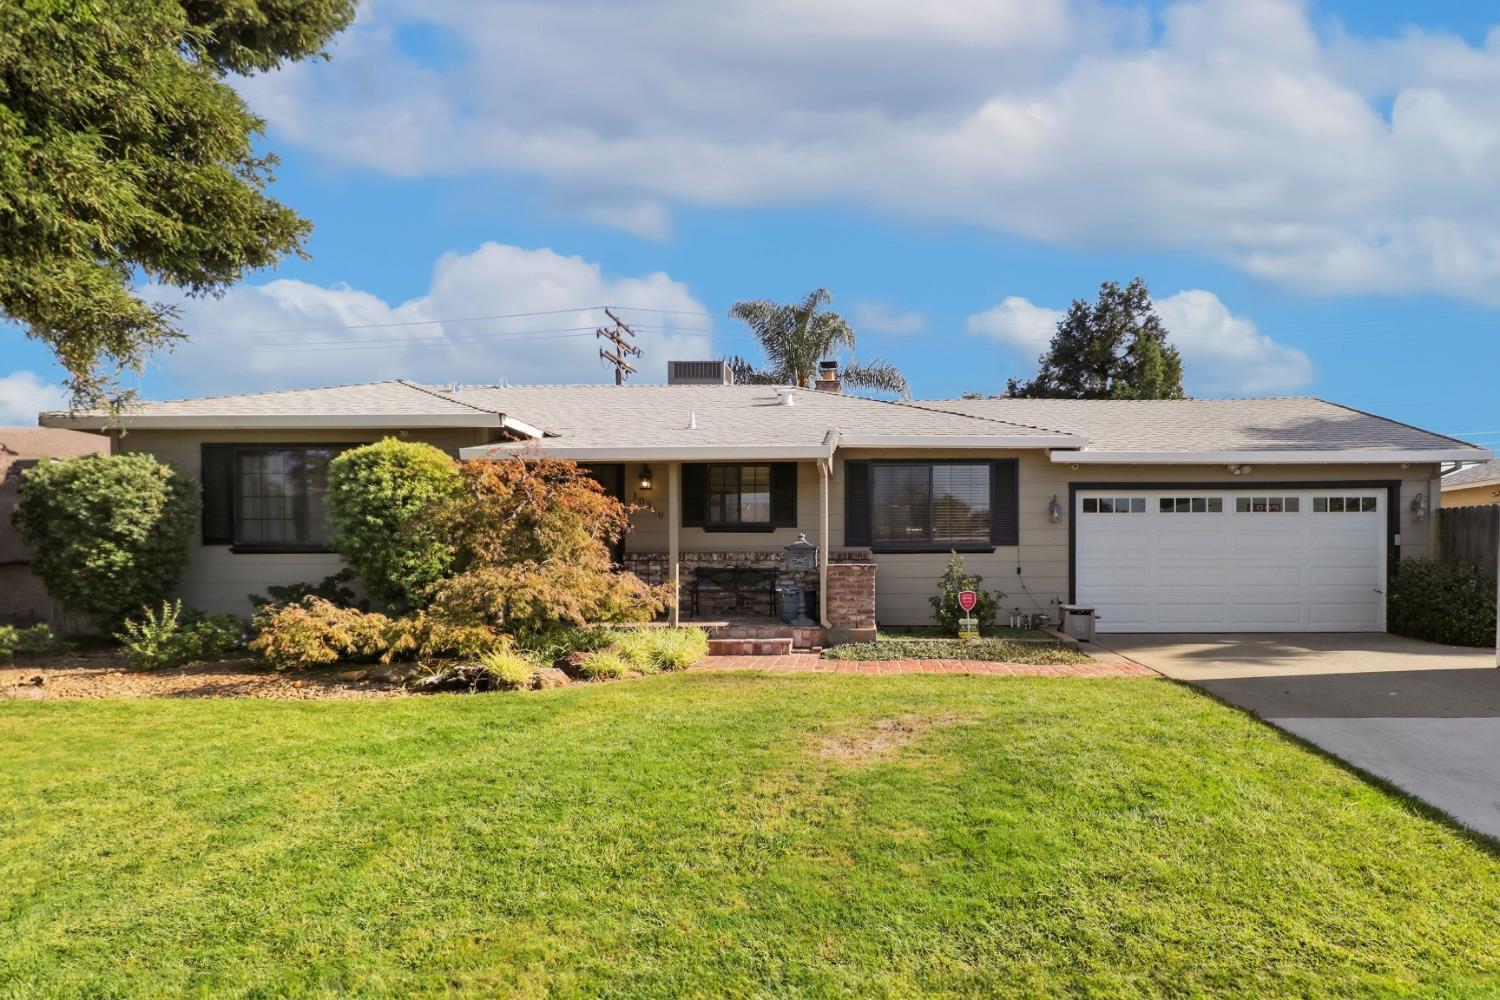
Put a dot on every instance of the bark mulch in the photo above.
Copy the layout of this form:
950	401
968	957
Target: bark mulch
104	675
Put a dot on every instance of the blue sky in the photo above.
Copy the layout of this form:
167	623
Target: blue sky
1309	190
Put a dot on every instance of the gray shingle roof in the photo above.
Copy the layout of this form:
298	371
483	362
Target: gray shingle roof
642	416
604	417
1484	472
393	397
1299	423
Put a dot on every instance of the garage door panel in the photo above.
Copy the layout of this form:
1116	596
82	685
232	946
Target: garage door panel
1247	616
1250	575
1235	570
1193	615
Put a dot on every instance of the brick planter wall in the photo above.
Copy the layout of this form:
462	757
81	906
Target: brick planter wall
652	567
851	601
854	591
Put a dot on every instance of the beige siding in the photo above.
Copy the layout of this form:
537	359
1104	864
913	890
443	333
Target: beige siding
649	527
219	580
1034	574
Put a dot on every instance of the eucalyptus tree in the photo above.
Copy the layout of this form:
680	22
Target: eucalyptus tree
794	337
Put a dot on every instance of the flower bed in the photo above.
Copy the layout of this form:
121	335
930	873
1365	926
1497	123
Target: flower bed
1000	650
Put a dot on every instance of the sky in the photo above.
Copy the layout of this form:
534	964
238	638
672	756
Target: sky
1311	191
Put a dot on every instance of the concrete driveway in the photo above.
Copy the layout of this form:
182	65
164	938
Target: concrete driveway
1422	716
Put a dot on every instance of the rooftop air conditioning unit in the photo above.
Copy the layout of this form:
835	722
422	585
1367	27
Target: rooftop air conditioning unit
699	373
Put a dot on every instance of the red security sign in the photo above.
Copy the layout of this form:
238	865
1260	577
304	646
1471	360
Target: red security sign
967	599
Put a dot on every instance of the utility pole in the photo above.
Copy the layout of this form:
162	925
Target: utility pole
622	337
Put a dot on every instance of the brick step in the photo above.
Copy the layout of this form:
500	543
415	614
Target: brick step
739	631
750	647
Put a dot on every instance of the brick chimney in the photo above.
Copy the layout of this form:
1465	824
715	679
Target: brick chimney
828	377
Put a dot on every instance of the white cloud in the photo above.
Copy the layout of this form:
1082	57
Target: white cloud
24	394
1017	322
1222	353
1227	127
291	333
882	317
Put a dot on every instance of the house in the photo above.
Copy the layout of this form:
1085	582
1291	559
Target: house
1472	486
23	599
1169	515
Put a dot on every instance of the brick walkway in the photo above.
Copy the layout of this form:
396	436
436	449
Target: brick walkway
812	663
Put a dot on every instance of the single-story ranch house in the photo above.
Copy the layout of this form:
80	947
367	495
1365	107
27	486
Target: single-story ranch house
1167	515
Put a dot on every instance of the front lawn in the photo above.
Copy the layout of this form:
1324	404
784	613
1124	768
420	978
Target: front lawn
720	834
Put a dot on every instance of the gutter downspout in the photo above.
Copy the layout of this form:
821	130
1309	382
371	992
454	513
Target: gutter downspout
825	472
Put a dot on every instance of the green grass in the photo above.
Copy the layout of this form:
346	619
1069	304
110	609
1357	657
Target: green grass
1004	650
689	834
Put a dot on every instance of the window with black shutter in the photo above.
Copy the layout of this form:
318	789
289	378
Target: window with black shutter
267	498
740	497
931	506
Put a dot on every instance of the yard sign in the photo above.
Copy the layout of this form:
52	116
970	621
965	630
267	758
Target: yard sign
967	599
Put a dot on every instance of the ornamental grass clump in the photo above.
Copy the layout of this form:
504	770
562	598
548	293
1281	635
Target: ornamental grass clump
605	665
510	669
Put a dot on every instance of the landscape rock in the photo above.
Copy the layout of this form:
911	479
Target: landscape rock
353	675
550	677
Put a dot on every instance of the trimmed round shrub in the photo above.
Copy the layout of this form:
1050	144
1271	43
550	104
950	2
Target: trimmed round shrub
109	533
377	496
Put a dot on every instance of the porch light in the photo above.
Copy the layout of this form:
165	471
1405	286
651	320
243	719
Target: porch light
645	481
1419	508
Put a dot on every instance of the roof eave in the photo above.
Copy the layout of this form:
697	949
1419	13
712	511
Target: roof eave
1328	457
986	441
662	453
282	421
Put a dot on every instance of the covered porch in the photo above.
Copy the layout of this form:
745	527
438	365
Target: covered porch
730	538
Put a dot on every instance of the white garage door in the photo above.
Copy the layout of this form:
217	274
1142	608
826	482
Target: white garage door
1233	561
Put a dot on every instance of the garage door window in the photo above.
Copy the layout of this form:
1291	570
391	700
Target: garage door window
1192	505
1114	505
1267	505
1343	505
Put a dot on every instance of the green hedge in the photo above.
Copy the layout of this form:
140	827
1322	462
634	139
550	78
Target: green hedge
1442	602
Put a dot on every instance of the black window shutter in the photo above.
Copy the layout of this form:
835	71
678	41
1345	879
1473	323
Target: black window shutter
784	495
1005	503
856	503
694	495
217	473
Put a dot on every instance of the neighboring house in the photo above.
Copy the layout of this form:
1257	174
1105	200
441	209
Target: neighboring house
23	599
1474	486
1173	515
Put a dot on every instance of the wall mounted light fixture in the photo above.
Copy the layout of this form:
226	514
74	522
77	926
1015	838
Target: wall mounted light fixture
1054	510
645	480
1419	508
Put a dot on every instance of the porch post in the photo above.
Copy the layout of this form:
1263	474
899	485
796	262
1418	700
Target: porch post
825	469
674	523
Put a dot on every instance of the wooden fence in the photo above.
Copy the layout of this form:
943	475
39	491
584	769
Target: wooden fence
1470	535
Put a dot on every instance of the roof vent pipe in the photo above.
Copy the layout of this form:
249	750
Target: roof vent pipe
787	394
692	420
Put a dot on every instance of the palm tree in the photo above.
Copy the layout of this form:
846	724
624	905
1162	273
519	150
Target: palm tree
794	338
